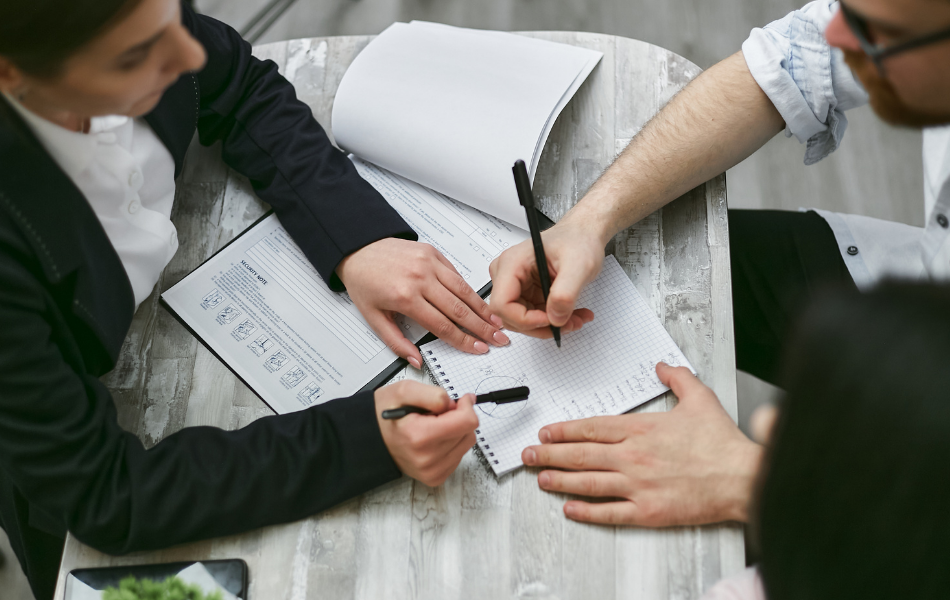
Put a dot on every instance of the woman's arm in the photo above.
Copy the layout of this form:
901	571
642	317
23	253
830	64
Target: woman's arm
62	447
271	137
343	225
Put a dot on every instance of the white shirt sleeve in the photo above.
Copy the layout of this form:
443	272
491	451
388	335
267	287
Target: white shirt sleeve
806	79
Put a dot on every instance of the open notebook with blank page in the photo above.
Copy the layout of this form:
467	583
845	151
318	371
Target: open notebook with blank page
606	368
453	108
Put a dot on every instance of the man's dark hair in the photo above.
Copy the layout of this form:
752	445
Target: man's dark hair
39	35
856	499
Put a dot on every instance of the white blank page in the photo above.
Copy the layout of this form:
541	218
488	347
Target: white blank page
606	368
453	109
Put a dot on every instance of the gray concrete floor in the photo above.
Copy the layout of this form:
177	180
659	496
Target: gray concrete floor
877	172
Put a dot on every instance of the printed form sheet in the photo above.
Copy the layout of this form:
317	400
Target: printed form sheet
261	306
606	368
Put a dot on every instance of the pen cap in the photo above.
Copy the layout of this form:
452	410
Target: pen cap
523	184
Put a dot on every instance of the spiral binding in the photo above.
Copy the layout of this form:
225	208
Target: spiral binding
437	375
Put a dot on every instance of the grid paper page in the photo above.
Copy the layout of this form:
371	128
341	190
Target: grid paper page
606	368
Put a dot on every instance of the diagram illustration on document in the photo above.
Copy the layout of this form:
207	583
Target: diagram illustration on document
261	345
292	377
310	394
275	361
243	331
227	314
212	299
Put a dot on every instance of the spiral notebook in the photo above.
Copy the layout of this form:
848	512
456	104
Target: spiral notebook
606	368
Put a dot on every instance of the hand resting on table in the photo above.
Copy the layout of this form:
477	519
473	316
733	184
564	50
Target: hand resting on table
689	466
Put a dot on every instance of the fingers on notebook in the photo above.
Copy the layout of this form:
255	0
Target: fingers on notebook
529	321
680	379
543	331
577	457
579	318
609	430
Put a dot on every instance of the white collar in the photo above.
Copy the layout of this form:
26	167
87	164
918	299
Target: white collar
72	151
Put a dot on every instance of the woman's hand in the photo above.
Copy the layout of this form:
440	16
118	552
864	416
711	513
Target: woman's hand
426	447
411	278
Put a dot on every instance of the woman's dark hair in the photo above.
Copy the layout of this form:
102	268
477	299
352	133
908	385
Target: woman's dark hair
39	35
856	499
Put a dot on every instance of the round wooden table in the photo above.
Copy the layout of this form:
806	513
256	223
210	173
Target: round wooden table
475	536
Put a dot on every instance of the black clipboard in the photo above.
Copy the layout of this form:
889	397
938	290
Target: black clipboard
376	382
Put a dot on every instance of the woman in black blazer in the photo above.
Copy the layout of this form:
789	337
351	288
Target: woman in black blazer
66	302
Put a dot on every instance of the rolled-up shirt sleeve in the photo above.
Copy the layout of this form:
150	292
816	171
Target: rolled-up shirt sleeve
806	79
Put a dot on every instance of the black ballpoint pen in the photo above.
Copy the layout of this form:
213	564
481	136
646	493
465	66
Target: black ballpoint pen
523	185
498	397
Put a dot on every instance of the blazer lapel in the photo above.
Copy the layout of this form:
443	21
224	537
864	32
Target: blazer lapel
64	232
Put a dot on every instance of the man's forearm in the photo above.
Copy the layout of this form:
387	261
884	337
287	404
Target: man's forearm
718	120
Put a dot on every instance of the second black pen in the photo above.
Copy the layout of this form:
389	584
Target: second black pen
516	394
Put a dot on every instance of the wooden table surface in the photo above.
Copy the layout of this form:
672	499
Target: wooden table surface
475	536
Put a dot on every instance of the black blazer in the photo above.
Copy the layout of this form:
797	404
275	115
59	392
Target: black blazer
66	306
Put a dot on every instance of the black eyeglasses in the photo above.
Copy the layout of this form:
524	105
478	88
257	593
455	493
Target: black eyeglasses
878	52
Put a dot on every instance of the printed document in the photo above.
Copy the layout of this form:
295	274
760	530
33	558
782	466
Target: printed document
435	116
265	311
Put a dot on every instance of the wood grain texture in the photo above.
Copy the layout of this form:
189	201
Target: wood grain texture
475	536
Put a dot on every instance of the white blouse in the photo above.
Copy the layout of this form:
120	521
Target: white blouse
128	177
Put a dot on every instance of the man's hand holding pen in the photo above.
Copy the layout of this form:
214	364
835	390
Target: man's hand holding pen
574	260
523	294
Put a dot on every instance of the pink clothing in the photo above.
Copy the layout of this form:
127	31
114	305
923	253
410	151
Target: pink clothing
747	585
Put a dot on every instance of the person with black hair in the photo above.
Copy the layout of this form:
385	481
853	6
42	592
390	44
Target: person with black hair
852	495
100	102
